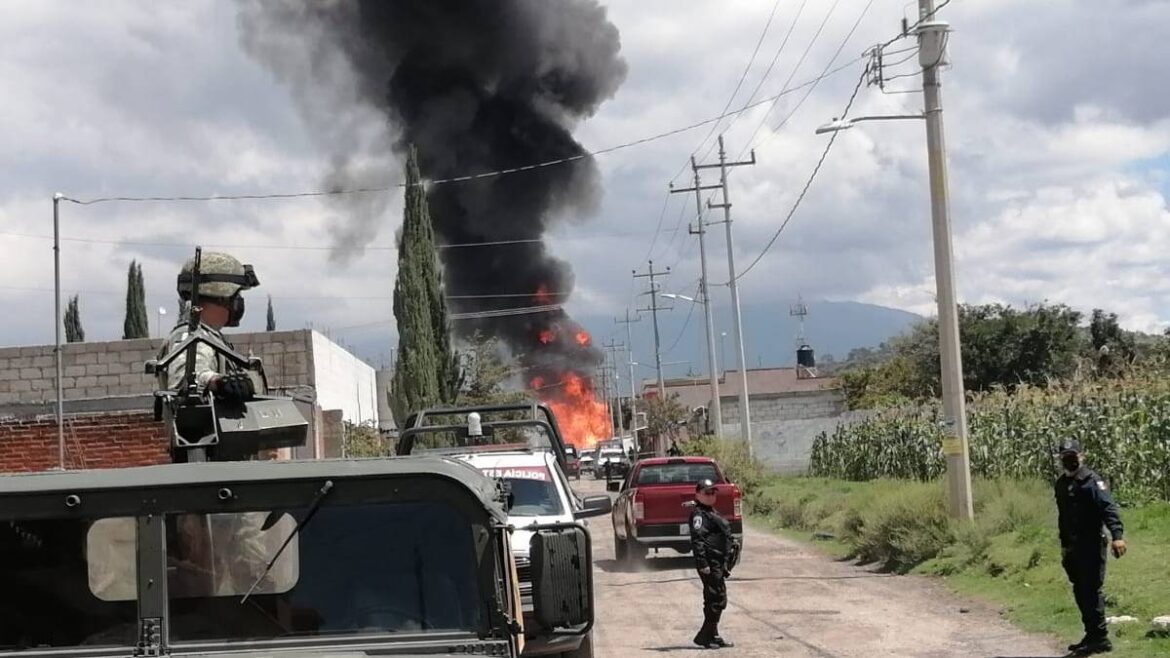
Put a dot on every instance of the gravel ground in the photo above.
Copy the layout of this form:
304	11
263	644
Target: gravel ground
787	600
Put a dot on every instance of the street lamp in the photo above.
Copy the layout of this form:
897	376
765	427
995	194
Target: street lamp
932	38
716	414
844	124
158	325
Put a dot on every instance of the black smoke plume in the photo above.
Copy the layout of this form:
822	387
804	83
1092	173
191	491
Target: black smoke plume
476	86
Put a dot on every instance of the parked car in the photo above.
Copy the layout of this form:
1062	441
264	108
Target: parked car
540	495
611	462
654	505
572	461
587	459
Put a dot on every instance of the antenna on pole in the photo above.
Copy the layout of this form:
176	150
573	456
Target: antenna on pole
806	364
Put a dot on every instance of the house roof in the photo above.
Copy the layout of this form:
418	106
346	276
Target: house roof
695	391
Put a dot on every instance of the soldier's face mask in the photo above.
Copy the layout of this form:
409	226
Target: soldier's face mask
1071	461
235	310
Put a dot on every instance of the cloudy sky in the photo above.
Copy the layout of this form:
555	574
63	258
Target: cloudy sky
1057	120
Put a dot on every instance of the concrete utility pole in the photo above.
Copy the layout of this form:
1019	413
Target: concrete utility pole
611	349
932	38
630	358
654	313
57	351
712	368
745	420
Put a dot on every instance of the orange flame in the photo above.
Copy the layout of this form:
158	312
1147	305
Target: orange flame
546	336
583	338
583	419
542	296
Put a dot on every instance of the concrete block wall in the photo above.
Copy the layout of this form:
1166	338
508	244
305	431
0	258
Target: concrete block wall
786	406
113	369
785	446
109	440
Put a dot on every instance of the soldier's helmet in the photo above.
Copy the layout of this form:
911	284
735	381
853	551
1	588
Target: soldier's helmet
220	275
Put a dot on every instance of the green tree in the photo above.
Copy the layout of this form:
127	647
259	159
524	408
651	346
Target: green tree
427	370
74	333
364	441
1113	350
271	324
664	416
136	324
1001	347
486	374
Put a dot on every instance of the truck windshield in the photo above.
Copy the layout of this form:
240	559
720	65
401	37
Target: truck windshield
676	474
360	568
367	568
533	491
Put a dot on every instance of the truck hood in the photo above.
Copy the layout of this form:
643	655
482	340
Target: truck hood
522	537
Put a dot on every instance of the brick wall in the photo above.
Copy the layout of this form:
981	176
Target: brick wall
110	440
115	368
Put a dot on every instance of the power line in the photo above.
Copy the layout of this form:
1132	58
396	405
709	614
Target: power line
294	247
440	181
808	183
738	85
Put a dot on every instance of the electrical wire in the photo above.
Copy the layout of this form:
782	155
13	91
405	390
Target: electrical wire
686	323
738	85
441	181
808	183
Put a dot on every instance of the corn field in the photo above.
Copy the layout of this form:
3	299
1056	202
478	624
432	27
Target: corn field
1124	428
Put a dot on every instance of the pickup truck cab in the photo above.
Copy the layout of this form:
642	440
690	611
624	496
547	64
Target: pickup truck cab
572	461
654	504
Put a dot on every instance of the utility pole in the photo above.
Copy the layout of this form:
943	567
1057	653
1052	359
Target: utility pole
611	348
57	350
652	275
630	358
932	38
716	408
745	421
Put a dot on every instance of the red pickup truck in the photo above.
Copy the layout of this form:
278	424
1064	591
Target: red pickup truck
654	505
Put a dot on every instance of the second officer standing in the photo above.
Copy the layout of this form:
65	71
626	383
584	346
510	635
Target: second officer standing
714	548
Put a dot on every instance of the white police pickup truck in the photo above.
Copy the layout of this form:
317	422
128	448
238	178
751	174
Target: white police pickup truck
540	495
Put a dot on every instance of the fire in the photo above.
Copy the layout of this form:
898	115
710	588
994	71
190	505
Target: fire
583	419
546	336
542	296
583	338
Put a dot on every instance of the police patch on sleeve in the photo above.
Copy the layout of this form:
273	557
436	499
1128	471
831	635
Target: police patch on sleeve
1101	485
697	522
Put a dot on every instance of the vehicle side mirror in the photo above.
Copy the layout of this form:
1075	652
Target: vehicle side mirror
594	506
613	485
562	577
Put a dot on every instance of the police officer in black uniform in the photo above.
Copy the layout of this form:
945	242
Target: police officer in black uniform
713	545
1085	510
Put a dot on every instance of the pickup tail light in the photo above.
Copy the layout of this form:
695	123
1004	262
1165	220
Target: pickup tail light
639	507
737	509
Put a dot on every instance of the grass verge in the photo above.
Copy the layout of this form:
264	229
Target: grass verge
1010	556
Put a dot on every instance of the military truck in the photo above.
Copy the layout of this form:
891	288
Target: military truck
225	553
387	557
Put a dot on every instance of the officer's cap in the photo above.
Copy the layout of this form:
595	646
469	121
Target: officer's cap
1069	445
704	485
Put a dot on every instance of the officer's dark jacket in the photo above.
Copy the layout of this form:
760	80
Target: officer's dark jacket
1084	505
711	538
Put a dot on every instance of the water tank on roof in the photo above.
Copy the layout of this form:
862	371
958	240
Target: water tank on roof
805	358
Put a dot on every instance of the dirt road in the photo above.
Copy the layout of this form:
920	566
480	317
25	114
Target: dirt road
786	600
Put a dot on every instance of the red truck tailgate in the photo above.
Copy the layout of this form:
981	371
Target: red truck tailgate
669	503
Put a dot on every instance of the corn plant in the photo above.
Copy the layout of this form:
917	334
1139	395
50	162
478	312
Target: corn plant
1124	427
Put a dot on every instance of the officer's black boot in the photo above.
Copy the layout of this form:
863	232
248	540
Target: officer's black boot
706	635
1079	645
1095	645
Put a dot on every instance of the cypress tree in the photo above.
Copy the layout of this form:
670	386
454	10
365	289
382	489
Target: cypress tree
271	325
417	381
74	333
136	324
